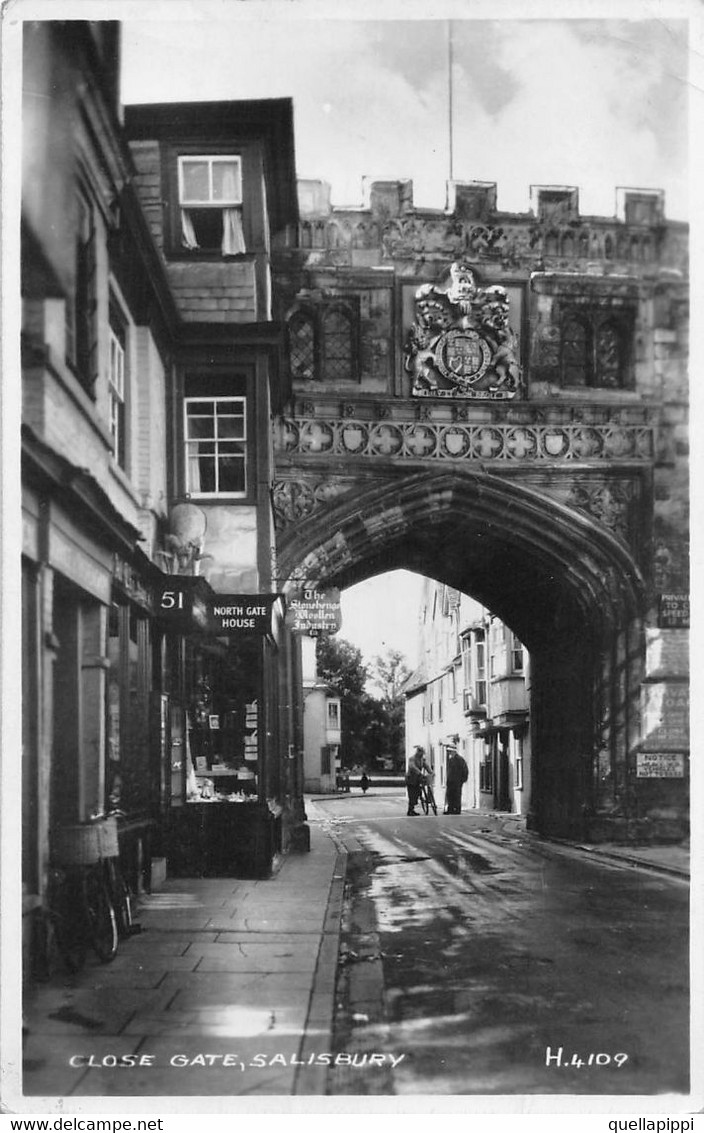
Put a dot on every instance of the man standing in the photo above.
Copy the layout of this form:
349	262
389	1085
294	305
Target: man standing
414	778
457	775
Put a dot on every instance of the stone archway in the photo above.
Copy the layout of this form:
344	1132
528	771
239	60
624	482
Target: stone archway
563	583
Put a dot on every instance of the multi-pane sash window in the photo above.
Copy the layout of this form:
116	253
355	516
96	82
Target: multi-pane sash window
116	391
216	446
516	656
210	196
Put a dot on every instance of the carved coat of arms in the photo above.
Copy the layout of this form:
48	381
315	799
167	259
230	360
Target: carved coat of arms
461	343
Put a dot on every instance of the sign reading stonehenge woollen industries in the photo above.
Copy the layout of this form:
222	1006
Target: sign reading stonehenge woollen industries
309	610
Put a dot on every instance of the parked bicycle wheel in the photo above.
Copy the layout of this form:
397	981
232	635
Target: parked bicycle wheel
100	918
66	920
121	898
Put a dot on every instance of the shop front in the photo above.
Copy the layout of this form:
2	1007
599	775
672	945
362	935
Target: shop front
223	810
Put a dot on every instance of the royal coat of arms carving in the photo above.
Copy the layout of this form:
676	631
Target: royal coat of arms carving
461	344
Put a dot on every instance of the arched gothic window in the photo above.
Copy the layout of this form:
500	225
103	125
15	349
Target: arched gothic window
337	346
301	345
608	355
575	352
322	343
594	349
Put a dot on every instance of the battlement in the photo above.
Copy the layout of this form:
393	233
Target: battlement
477	201
551	235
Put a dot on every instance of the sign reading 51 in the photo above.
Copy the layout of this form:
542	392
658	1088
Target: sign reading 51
172	600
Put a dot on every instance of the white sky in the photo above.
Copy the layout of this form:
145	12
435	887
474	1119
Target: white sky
382	613
596	103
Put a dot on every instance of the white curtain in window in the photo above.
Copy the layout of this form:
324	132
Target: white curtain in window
188	235
193	471
232	235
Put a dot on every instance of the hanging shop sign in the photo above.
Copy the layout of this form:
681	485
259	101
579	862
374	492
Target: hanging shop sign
309	610
183	604
242	613
659	765
189	605
673	611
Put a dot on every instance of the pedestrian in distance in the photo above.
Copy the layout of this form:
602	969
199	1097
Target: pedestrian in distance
364	783
414	778
457	775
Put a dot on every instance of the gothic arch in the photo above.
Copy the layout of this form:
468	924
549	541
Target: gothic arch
560	580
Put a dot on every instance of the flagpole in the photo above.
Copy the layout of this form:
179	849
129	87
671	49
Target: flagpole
449	103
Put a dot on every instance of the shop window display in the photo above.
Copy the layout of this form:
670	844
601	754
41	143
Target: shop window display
226	827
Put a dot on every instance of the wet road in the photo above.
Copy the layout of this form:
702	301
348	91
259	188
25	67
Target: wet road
509	965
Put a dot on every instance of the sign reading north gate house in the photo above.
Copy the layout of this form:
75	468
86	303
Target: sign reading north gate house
190	606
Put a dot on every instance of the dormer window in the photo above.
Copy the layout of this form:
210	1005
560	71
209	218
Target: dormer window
210	201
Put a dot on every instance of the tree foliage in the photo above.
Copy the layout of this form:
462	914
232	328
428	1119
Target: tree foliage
372	727
390	673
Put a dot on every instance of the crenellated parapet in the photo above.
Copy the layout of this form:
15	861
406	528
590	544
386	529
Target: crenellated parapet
553	231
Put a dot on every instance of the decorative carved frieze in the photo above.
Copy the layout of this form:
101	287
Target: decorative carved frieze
435	440
563	244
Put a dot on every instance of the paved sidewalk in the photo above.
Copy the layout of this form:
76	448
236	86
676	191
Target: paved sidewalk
230	988
227	991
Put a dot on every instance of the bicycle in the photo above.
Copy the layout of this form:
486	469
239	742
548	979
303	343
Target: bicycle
427	798
61	926
115	883
80	897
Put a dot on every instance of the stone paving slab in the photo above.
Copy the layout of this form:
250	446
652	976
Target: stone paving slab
91	1011
222	966
255	939
276	922
259	958
263	989
142	972
237	1021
